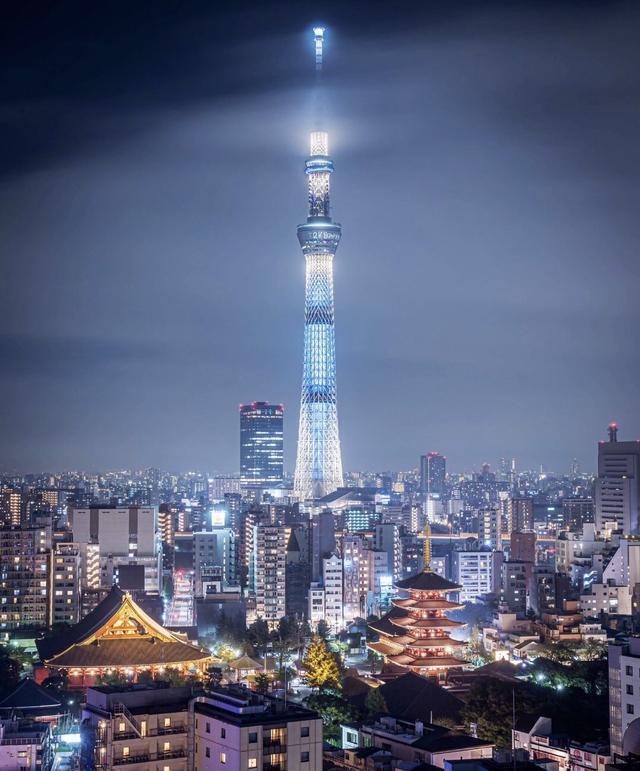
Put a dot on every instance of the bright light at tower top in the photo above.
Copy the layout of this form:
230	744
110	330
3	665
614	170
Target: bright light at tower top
318	34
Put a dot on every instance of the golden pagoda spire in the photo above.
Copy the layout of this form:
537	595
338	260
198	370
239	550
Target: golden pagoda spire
426	546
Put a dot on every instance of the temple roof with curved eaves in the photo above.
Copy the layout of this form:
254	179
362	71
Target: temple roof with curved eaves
428	581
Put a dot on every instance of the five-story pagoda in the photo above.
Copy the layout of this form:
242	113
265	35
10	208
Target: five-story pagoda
415	634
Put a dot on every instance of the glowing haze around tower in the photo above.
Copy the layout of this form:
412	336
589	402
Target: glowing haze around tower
318	462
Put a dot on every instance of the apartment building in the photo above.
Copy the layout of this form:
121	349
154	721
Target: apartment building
238	730
147	727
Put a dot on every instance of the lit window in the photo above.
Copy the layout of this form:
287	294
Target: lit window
253	763
167	722
125	752
122	727
166	747
223	758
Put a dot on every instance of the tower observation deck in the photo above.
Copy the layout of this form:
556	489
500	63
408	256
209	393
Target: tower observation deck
318	463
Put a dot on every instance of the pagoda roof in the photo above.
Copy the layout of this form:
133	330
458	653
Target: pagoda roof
385	625
432	604
428	642
428	662
118	633
385	647
428	581
425	623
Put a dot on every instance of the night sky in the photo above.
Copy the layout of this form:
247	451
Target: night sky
151	180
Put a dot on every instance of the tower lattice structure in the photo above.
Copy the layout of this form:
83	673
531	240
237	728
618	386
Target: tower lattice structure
318	463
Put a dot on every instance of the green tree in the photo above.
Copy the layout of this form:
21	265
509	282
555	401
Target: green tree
490	707
334	711
593	650
374	703
262	683
259	635
475	651
323	629
560	652
321	667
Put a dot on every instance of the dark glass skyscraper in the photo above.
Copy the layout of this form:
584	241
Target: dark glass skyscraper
433	469
261	444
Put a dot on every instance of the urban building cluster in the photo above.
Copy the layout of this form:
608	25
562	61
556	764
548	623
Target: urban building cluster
367	621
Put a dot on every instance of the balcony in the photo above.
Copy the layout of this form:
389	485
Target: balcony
273	746
165	730
122	736
147	757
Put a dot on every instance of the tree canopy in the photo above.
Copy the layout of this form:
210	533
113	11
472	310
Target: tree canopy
321	666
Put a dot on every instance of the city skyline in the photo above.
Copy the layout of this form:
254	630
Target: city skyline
118	305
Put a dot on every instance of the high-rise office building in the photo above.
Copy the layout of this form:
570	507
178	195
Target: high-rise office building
261	444
433	470
318	463
618	484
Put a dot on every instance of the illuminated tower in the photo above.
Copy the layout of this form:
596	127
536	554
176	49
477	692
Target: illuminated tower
318	463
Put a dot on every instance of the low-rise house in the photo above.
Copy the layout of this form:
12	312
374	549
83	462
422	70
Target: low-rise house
508	635
415	742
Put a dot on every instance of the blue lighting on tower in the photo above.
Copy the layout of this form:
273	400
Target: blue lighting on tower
318	463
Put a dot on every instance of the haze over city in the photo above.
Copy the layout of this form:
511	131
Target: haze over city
486	179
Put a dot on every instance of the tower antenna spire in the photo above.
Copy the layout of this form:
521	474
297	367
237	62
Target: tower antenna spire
318	34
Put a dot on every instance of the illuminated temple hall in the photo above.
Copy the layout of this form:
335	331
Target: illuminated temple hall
415	634
118	636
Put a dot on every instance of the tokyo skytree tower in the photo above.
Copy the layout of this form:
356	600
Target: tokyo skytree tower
318	463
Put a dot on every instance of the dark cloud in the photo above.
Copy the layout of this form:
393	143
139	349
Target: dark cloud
150	184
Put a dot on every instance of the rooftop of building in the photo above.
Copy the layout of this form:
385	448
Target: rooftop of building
239	706
423	736
23	731
411	697
29	697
